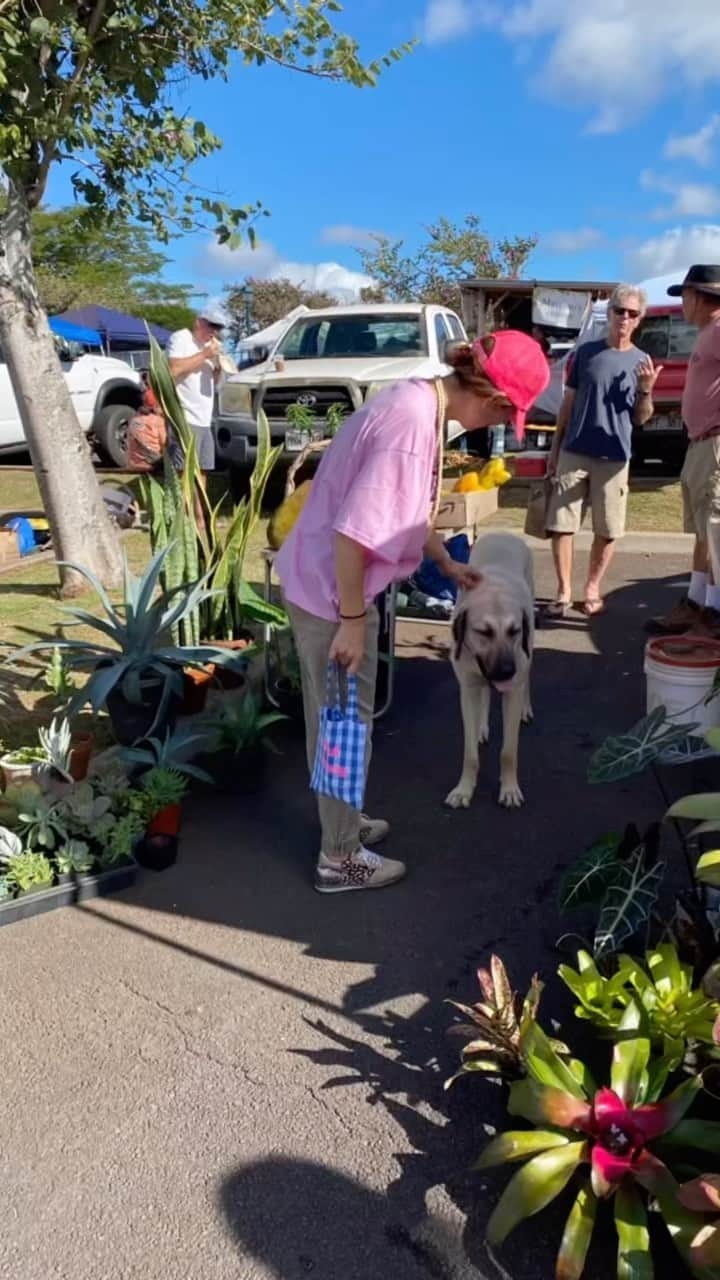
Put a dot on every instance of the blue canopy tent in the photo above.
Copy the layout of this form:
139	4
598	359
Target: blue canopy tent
117	330
75	332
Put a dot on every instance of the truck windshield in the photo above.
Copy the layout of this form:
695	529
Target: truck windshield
666	337
322	338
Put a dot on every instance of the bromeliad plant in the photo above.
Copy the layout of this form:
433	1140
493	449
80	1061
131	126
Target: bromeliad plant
677	1015
613	1131
205	547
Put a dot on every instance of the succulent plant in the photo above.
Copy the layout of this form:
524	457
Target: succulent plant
56	742
162	787
29	870
43	824
74	856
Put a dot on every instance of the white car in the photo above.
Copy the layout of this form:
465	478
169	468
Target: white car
105	393
339	356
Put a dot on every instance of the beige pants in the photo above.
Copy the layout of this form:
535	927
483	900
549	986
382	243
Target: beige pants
700	483
581	482
339	823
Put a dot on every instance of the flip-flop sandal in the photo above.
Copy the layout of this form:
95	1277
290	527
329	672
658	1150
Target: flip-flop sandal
558	609
591	608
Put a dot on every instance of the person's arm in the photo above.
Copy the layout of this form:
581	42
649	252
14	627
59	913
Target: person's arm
181	366
561	427
462	574
647	376
348	647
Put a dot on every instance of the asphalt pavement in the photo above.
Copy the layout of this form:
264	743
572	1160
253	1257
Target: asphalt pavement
220	1074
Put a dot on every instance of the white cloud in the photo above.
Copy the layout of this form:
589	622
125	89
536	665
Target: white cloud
616	57
265	263
347	234
674	250
690	199
578	241
695	146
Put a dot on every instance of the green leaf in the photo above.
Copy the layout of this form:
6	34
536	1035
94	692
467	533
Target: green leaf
630	1058
704	807
700	1135
510	1147
544	1064
543	1105
631	752
585	882
534	1187
634	1257
628	904
577	1236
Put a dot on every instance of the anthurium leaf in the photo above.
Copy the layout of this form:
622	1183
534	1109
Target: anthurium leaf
521	1145
628	904
707	870
634	1257
534	1187
544	1064
577	1236
704	806
631	752
585	882
630	1058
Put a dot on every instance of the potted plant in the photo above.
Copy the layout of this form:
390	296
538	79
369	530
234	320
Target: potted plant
240	744
72	859
134	671
21	764
25	871
286	691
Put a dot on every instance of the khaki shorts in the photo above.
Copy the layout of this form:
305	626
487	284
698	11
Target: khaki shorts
700	481
581	482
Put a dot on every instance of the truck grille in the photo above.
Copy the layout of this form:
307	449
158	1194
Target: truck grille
278	398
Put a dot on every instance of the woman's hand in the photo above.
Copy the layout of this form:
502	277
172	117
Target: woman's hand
463	575
348	647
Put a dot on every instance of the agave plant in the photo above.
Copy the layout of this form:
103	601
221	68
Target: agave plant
494	1025
206	547
676	1012
613	1131
172	751
242	726
132	650
56	742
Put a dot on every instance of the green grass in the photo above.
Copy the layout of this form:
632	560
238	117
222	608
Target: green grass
652	507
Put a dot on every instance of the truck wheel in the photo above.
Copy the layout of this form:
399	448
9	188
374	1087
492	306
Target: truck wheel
110	429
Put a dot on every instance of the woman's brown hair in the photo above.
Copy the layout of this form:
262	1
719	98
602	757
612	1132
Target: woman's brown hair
461	358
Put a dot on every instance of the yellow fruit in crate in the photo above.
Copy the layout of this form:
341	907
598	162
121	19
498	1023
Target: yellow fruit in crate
494	474
469	483
282	520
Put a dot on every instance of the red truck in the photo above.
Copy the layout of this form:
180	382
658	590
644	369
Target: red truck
669	340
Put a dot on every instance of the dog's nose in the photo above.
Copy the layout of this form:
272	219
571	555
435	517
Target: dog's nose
503	670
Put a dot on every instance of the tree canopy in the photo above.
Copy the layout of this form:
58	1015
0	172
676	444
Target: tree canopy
270	300
451	252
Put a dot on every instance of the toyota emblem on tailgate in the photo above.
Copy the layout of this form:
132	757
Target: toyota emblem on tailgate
307	400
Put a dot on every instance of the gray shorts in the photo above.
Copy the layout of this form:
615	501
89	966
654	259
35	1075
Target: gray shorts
205	441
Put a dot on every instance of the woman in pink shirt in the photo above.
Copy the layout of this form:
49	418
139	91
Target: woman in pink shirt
368	522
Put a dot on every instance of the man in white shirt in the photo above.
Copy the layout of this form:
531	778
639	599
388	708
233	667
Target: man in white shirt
194	359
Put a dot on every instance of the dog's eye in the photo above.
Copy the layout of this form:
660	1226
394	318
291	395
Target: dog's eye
487	632
513	632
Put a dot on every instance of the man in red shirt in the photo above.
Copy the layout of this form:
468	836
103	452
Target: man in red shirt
699	610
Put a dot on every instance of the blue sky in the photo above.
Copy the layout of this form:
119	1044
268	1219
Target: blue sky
596	126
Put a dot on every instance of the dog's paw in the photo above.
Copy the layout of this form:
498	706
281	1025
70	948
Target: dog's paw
484	734
511	797
528	715
459	797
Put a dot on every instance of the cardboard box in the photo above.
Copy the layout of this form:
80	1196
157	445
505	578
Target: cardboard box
8	546
460	511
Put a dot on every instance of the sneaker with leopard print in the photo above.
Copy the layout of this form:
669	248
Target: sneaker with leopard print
360	870
373	830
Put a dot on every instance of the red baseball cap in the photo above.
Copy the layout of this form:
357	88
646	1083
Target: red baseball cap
517	365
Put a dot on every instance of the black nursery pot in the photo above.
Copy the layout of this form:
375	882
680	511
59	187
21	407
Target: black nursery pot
289	699
157	853
134	720
239	773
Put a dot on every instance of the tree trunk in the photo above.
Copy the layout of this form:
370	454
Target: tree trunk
81	528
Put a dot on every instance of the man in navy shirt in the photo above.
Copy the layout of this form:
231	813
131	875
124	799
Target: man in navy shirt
609	390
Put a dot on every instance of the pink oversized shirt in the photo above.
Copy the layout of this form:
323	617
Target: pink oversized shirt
374	485
701	398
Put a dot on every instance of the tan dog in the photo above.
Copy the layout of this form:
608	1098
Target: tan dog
493	631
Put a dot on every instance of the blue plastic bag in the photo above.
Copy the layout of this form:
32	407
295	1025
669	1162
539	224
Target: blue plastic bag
339	769
429	578
25	534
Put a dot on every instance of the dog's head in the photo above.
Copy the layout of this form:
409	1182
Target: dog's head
492	628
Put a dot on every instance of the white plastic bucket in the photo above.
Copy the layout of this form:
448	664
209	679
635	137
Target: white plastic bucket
679	674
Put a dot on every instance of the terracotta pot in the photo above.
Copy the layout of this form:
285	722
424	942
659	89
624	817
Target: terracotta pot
81	750
196	683
166	822
230	679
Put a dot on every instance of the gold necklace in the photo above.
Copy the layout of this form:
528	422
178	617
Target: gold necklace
442	408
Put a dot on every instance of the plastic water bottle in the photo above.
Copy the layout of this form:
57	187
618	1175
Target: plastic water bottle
497	446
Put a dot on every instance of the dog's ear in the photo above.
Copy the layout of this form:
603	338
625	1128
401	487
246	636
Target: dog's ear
459	627
526	632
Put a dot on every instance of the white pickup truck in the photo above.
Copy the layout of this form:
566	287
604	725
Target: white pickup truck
338	356
105	393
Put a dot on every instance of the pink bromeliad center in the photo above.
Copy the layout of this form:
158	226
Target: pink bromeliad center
619	1135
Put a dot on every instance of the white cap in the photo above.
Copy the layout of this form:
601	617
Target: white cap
215	314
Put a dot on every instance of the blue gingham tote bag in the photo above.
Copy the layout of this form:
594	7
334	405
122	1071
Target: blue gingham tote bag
340	757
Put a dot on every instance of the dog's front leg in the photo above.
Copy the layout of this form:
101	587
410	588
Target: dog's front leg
513	703
475	707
